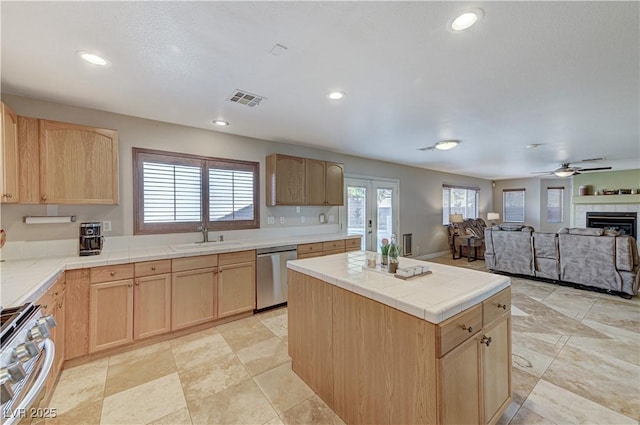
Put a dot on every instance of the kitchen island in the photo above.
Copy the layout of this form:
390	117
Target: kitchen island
435	349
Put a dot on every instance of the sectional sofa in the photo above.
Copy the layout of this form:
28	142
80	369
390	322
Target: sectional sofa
596	258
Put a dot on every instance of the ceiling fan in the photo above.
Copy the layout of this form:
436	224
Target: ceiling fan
567	170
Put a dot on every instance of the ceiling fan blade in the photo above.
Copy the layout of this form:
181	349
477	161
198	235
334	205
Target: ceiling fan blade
542	172
593	169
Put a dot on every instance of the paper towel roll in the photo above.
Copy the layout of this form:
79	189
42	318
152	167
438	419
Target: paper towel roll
49	219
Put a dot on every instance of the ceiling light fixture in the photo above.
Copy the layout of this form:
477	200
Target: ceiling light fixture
221	123
563	173
467	19
336	95
445	145
93	58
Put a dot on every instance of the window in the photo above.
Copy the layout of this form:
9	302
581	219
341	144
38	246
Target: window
555	201
513	201
176	193
459	200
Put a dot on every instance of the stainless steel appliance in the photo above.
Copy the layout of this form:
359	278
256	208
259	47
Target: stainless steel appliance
26	359
91	238
271	281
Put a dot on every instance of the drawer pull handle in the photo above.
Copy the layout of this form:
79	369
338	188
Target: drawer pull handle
60	305
44	197
153	268
502	306
129	285
112	273
467	328
137	283
486	340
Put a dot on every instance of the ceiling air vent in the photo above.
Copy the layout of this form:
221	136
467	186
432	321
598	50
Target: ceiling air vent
245	98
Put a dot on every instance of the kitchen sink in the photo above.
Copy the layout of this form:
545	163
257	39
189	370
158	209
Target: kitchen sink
203	245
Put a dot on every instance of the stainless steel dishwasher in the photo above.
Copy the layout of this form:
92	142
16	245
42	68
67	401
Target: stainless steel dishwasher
271	279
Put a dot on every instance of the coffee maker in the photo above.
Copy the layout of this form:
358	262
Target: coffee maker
91	238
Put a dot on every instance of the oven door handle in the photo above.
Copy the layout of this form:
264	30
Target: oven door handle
38	385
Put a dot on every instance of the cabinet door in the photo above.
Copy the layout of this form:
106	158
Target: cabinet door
77	300
28	160
334	184
285	180
9	156
459	385
78	164
152	306
193	294
236	289
110	314
496	369
59	315
314	181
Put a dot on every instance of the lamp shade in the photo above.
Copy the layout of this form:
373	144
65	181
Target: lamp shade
493	216
456	218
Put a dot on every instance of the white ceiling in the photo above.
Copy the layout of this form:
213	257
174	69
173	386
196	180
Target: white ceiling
562	74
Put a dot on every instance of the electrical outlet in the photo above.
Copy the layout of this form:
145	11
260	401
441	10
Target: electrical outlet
298	210
106	226
271	220
281	220
332	218
302	219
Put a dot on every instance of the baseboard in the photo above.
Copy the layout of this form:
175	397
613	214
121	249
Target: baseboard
433	255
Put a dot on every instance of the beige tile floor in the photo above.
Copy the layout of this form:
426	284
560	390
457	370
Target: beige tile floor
576	359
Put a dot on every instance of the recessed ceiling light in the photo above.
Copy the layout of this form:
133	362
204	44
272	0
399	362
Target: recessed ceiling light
221	123
93	58
445	145
467	19
336	95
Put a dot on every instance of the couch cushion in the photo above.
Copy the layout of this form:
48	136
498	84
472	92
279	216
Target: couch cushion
511	227
513	252
588	231
545	245
589	260
626	253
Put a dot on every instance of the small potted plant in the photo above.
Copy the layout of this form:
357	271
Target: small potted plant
384	250
393	254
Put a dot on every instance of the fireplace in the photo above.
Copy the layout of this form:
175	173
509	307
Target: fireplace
625	222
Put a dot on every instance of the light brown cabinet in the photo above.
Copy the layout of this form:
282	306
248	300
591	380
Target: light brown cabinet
319	249
53	303
236	283
152	299
111	314
194	284
303	181
9	156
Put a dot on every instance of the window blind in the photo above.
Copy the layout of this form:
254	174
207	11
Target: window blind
230	195
171	193
513	201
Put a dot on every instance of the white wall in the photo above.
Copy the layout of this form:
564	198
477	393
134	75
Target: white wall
420	190
544	185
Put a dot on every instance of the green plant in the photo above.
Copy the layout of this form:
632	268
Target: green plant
384	248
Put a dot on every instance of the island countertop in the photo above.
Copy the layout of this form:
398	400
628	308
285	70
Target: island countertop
435	297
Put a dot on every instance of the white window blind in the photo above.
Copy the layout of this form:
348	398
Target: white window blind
555	201
171	193
459	200
231	195
513	202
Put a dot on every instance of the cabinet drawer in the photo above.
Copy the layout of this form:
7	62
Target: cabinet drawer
333	246
236	257
107	273
149	268
192	263
351	244
493	307
309	255
457	329
335	251
308	248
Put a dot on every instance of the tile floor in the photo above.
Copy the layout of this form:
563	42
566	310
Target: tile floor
576	359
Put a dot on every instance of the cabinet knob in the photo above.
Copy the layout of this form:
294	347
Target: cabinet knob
486	340
43	197
215	271
112	273
60	305
467	328
153	268
129	285
137	283
502	306
7	195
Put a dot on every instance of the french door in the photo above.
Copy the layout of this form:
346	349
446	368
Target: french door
371	210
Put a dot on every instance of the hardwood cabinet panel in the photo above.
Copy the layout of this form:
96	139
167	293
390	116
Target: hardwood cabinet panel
315	172
108	273
310	255
494	307
152	305
236	288
193	297
9	156
77	296
333	246
309	248
78	164
352	244
192	263
150	268
285	180
28	160
457	329
237	257
334	184
111	314
496	369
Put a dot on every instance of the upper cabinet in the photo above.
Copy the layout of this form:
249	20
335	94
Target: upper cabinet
9	156
303	181
77	164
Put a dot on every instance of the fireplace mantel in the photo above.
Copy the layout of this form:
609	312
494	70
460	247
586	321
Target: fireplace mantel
606	199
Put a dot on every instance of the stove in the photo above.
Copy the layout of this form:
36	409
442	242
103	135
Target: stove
26	358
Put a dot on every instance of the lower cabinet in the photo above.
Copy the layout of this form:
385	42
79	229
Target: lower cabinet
151	305
110	314
236	283
193	295
53	304
496	368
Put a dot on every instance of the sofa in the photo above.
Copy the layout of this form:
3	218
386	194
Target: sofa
596	258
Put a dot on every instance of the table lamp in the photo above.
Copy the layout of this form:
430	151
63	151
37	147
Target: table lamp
493	216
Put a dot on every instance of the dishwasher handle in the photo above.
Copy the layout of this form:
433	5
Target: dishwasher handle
272	250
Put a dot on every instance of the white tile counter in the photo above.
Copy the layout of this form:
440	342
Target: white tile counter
434	297
24	281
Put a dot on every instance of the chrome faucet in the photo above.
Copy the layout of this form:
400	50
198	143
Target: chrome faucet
205	233
221	238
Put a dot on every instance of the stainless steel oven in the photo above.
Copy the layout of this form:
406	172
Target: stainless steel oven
26	360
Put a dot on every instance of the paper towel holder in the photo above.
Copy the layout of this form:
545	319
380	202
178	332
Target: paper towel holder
49	219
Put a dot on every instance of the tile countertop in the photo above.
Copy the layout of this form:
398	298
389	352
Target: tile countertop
26	280
435	297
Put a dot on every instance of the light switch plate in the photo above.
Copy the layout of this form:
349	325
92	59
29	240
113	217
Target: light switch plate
298	210
281	220
271	220
106	226
332	218
302	219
